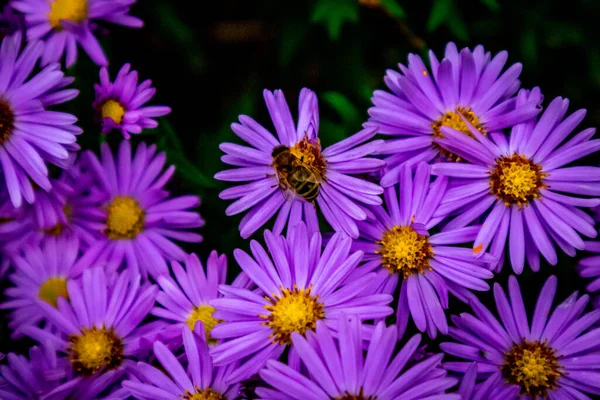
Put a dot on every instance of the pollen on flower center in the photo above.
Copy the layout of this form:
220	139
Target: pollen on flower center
125	218
52	289
533	366
204	313
295	311
453	119
114	110
359	396
309	153
58	229
206	394
94	349
7	121
70	10
516	180
404	251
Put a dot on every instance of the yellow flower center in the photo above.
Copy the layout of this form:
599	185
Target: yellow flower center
52	289
404	251
453	119
58	229
295	311
206	394
533	366
309	153
114	110
516	180
125	218
71	10
205	314
94	349
7	121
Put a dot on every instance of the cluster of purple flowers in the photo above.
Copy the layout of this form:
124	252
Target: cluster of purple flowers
466	161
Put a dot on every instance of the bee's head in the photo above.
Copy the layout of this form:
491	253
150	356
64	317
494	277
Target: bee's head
279	149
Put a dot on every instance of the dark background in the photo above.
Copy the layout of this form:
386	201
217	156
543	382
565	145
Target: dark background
210	62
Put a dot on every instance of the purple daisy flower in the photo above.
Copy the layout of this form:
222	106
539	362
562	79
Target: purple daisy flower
10	21
469	390
341	371
463	86
69	208
185	300
120	105
98	324
30	135
589	267
289	173
15	232
302	284
554	357
139	217
64	24
43	376
31	378
526	184
200	380
398	245
41	273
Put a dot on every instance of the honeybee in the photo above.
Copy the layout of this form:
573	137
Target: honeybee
294	174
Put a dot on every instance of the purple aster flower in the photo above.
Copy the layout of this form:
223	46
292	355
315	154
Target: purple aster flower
10	21
31	378
120	105
185	300
289	173
200	380
139	217
398	245
69	208
30	135
15	231
463	86
97	325
589	267
41	273
469	390
64	24
526	184
342	371
43	376
302	284
552	357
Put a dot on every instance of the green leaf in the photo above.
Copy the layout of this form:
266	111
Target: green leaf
334	13
393	8
595	67
292	37
529	46
439	14
447	12
170	143
561	34
457	26
331	132
491	4
181	34
346	110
